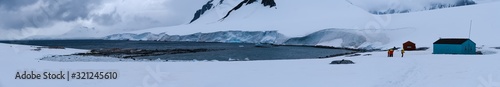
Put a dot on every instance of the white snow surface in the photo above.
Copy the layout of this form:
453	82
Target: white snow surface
416	69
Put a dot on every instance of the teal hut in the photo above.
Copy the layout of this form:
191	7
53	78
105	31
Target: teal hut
454	46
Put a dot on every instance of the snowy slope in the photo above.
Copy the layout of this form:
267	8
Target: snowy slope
294	20
451	22
351	38
291	18
416	69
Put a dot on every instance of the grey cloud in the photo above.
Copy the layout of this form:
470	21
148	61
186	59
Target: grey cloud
46	15
15	4
107	19
19	17
70	10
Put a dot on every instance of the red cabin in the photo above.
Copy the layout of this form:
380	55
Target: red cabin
408	45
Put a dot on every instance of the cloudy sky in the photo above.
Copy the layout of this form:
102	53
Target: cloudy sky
80	18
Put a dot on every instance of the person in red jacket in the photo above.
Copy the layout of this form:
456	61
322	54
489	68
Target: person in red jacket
390	53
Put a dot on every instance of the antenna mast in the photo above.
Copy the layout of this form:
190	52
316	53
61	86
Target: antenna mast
470	28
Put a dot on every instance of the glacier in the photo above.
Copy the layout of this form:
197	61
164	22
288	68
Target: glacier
131	36
221	36
347	38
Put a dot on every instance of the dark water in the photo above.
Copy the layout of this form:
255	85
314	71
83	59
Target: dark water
232	50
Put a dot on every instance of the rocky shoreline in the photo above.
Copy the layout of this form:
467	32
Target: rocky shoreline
132	53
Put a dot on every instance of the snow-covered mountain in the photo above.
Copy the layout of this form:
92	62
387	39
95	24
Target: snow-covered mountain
350	22
219	10
221	36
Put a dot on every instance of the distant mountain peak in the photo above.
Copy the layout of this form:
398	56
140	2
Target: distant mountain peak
203	9
210	5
